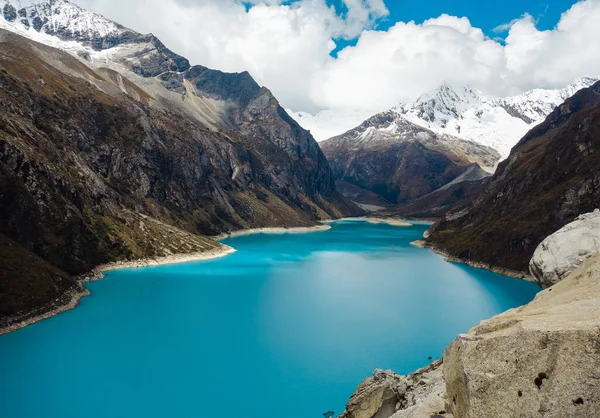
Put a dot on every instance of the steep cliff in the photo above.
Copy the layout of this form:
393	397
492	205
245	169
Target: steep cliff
550	178
137	154
541	360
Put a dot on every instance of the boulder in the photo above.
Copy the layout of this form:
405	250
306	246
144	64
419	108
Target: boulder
540	360
565	250
386	394
377	396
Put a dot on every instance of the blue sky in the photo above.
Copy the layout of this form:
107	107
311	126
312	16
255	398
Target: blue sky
483	14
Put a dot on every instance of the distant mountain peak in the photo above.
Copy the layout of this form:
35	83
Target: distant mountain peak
443	103
60	18
466	112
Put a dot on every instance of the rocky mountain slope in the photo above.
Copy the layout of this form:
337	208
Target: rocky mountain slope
401	161
119	149
549	179
437	203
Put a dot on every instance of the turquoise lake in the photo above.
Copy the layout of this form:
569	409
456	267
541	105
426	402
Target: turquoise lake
287	327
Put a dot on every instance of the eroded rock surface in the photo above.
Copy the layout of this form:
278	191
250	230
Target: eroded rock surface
387	394
540	360
565	250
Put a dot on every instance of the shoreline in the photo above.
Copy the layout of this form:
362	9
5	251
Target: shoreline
98	272
375	220
71	299
274	231
515	274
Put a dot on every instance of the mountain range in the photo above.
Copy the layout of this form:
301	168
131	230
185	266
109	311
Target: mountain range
424	150
113	147
460	111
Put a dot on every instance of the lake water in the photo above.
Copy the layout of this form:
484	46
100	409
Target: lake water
287	327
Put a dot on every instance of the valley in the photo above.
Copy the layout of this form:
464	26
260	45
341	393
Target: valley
427	217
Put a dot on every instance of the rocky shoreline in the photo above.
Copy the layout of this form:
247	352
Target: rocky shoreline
66	302
274	230
375	220
70	300
387	221
387	394
452	259
537	360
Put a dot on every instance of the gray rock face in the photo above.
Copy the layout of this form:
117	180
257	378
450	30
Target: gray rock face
541	360
386	394
565	250
377	396
9	12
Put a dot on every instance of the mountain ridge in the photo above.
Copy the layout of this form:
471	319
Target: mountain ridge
402	161
129	152
461	111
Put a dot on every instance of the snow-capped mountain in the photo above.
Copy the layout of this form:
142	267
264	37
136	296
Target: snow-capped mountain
96	39
497	122
401	161
61	18
460	111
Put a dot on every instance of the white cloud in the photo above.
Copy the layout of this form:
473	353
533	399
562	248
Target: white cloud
286	46
505	27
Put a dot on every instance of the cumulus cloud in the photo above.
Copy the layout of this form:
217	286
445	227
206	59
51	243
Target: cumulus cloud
407	60
286	46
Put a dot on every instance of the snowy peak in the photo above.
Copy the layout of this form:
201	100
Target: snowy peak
61	18
94	38
443	104
385	127
390	129
535	105
460	111
496	122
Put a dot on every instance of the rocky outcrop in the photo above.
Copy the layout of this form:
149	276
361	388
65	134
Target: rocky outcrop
565	250
401	161
550	178
541	360
386	394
